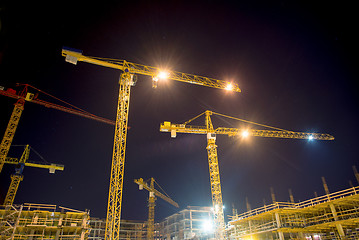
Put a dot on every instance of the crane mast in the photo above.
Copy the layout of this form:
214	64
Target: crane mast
151	216
118	159
10	131
16	178
214	178
213	156
151	212
127	80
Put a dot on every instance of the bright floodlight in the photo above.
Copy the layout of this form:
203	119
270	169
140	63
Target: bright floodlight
216	208
245	133
310	137
229	87
163	75
207	226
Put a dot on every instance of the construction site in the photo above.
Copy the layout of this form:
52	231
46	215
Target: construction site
330	216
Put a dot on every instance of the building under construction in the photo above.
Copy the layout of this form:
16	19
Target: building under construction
185	224
40	221
331	216
190	223
129	229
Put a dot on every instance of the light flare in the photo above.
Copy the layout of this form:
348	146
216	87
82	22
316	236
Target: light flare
229	87
245	133
207	226
163	75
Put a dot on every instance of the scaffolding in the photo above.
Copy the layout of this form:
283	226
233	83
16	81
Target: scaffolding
331	216
42	221
134	230
188	224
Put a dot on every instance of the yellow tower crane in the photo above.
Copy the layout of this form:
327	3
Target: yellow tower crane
127	80
151	203
18	177
211	132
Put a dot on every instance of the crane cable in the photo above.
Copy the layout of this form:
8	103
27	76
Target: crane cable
250	122
58	99
238	119
193	118
164	192
33	150
161	188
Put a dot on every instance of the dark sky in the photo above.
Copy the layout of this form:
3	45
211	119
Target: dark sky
294	61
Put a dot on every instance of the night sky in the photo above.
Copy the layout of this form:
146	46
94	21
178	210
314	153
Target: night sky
294	61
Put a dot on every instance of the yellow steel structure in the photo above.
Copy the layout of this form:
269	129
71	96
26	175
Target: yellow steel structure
18	177
127	80
10	131
212	151
151	203
43	221
331	216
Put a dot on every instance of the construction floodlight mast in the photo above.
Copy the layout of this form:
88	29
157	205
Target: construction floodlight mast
127	80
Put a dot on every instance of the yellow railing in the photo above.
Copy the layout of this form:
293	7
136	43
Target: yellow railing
40	207
286	205
329	197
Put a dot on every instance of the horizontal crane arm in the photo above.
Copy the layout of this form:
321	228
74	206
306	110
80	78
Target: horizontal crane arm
273	134
58	107
156	192
73	56
51	166
180	128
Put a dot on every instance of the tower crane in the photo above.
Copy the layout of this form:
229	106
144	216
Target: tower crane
24	95
127	80
211	133
18	177
151	203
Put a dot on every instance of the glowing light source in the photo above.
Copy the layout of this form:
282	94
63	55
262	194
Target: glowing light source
245	133
229	87
163	75
310	138
207	226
